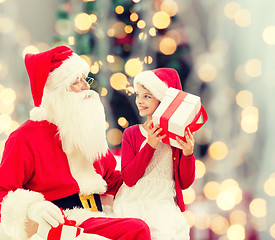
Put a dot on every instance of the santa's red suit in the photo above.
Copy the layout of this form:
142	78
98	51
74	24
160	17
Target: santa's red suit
35	168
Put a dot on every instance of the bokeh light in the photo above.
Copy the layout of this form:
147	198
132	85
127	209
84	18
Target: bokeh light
272	231
119	9
5	122
253	68
189	195
167	46
189	217
30	49
211	190
122	121
226	200
202	220
82	22
170	7
269	35
153	32
231	9
244	98
133	67
207	72
134	17
119	81
141	24
6	25
104	92
200	169
250	119
258	207
161	20
236	232
269	185
218	150
219	224
114	136
243	18
238	217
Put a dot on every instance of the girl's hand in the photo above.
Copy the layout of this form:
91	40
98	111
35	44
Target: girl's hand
153	134
187	146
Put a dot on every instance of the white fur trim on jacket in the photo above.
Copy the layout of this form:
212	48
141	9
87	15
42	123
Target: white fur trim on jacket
152	83
82	214
89	181
14	212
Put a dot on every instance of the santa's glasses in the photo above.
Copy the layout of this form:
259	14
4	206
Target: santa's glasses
89	80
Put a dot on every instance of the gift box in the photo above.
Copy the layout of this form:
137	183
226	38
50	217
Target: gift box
177	111
66	231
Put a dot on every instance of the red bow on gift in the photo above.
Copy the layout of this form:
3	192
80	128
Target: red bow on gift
55	233
67	221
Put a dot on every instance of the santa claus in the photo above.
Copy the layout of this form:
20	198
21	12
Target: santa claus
59	158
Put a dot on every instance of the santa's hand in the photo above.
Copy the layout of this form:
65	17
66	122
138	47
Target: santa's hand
45	213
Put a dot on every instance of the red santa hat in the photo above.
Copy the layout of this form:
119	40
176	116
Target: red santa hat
57	66
158	81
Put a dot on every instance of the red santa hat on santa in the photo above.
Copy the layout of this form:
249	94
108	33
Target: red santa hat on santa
56	68
158	81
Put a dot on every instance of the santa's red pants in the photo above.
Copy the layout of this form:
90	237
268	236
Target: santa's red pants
118	228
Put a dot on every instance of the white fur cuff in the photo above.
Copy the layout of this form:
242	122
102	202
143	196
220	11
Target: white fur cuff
14	212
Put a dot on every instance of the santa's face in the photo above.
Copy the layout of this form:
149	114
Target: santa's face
80	84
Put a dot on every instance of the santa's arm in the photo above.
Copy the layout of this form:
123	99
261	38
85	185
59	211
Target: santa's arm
15	169
111	175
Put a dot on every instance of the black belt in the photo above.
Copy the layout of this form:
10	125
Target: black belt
91	202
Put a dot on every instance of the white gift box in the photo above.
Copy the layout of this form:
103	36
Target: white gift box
62	232
177	111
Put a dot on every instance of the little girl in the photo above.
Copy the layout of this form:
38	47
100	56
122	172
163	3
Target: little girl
155	173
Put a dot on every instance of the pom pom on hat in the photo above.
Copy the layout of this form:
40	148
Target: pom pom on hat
58	64
158	81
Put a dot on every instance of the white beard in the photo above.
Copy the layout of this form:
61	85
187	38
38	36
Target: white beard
80	118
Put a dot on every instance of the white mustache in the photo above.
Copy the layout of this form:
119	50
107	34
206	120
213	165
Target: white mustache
87	94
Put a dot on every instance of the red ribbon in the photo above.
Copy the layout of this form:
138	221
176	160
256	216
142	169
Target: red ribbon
55	233
168	114
67	221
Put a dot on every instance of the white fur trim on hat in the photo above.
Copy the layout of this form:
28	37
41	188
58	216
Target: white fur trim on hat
67	72
14	212
38	114
152	83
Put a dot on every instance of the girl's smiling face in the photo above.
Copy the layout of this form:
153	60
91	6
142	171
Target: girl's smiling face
146	102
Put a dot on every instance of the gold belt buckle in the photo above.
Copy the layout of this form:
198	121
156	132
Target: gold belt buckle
91	202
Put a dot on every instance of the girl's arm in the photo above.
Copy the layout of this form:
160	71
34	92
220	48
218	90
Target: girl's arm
186	171
133	161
